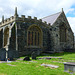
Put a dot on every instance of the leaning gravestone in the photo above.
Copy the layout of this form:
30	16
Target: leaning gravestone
33	55
26	58
2	54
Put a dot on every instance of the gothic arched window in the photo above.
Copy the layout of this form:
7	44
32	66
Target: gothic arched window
34	36
6	36
62	33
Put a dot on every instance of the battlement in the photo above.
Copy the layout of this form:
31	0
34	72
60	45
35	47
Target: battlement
21	19
23	16
7	21
31	19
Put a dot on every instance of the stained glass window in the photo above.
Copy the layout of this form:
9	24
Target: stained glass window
34	36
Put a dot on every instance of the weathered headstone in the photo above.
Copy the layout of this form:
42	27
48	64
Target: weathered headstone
26	58
33	55
2	54
50	58
69	67
10	55
38	52
49	65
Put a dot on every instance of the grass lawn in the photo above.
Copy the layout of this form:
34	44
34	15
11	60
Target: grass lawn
20	67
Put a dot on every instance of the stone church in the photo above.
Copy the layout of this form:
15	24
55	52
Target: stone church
21	36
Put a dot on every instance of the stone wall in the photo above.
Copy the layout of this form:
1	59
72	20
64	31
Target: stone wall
60	46
12	39
22	27
50	37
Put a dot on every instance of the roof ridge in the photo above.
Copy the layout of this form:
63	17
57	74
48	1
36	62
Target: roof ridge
51	15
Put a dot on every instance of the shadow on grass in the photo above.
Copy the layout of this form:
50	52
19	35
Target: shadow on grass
47	54
57	54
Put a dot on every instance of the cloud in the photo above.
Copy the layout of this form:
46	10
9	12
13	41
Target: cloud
70	11
1	9
38	8
72	23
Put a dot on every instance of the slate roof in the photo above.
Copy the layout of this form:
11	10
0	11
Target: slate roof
52	18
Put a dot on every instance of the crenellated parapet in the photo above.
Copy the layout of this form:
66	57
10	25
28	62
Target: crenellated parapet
7	21
30	19
16	18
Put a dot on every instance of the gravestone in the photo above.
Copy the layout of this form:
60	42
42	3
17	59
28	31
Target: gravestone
69	67
50	58
2	54
49	65
10	54
33	55
26	58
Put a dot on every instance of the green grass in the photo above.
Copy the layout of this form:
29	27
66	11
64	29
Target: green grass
34	68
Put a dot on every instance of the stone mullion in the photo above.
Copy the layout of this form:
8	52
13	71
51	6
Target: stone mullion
65	35
33	38
37	38
30	38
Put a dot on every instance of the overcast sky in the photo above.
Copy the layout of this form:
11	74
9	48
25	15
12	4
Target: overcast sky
39	8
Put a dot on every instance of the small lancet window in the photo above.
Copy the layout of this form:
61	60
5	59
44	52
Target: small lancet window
62	33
